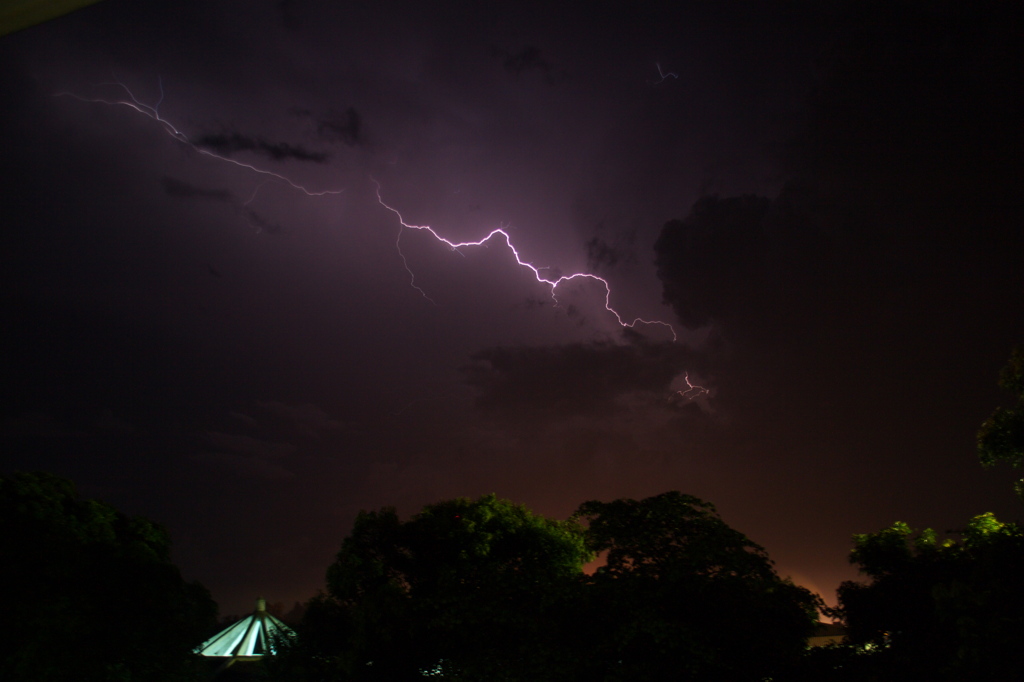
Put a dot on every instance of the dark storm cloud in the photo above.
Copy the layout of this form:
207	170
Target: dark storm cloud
722	245
183	190
573	379
528	60
859	312
231	143
900	184
603	255
346	127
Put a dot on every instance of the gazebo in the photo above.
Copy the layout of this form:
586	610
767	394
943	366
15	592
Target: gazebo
251	638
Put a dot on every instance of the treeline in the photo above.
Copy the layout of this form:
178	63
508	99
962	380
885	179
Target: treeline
932	609
485	589
90	593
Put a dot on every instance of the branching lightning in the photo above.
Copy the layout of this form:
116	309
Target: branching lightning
692	391
501	235
153	112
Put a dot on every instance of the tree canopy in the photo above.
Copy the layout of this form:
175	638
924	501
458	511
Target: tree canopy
460	589
91	591
486	589
1001	437
670	536
939	609
684	596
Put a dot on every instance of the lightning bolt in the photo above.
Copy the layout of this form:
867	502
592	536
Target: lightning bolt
499	234
153	112
692	391
665	74
254	193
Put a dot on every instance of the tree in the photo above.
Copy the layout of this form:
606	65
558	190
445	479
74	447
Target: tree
684	596
485	589
91	592
465	590
1001	438
942	610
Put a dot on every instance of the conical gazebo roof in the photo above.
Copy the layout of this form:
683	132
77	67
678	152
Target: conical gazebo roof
256	635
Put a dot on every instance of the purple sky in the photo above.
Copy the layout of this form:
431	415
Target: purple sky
213	348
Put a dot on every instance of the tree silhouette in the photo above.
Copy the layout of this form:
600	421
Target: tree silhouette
939	610
683	596
1001	438
466	589
485	589
91	592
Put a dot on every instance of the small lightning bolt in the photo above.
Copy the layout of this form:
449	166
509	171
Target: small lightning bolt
692	391
500	234
254	193
153	112
665	74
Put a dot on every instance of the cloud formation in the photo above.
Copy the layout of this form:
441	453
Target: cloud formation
604	255
183	190
232	143
528	60
574	379
345	127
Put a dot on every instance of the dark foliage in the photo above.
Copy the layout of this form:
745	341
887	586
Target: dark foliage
465	590
1001	437
472	590
91	592
685	597
951	610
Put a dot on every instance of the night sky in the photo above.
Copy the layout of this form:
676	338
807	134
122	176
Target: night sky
211	319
